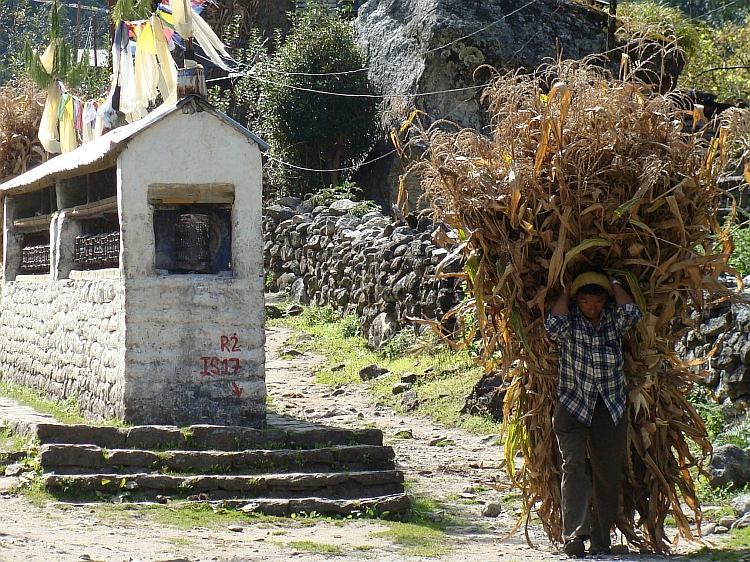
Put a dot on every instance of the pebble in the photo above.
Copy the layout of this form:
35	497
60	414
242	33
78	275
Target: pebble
401	387
236	528
492	509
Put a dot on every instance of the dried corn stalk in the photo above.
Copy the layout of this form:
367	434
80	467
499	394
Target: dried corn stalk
20	112
590	171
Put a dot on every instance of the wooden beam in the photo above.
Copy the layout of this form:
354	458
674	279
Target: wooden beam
190	193
33	223
107	205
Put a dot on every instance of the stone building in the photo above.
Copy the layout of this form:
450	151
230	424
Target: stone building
133	272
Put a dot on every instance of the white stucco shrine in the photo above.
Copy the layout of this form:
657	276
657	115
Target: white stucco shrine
133	272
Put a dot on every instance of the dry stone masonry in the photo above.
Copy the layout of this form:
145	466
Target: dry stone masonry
382	271
52	336
722	335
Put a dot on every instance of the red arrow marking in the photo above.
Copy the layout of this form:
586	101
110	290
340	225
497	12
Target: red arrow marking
236	390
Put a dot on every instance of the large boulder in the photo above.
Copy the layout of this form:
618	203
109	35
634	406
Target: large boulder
729	465
424	46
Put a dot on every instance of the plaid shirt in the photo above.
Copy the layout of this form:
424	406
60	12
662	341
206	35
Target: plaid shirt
591	361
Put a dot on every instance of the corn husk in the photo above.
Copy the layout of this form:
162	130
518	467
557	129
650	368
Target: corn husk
20	113
582	170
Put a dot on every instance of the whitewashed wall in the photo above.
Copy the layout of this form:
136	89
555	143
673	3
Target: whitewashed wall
194	343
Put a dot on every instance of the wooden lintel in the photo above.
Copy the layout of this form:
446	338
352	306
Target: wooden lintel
33	223
190	193
107	205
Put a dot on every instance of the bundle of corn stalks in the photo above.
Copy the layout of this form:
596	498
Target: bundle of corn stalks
582	170
244	14
20	112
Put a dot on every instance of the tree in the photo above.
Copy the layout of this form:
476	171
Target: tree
20	21
717	59
317	107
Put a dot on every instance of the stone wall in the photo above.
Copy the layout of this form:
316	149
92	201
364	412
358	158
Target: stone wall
381	270
67	339
725	331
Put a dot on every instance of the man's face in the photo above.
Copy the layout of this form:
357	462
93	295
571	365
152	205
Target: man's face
591	305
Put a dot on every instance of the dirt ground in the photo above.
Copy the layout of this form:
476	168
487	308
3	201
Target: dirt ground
461	476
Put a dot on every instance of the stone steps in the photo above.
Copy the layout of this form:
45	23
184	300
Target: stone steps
82	459
338	485
196	437
288	467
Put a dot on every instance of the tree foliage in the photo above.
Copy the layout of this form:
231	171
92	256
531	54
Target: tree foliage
317	107
717	57
237	96
716	13
20	21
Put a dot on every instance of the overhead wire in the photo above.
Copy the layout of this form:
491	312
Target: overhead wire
449	44
396	95
346	169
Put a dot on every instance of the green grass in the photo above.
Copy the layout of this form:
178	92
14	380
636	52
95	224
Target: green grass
189	516
180	542
416	539
10	442
66	412
444	377
734	548
323	548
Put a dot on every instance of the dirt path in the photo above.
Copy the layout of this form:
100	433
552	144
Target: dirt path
457	476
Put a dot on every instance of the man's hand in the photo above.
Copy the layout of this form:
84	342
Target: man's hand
560	307
622	297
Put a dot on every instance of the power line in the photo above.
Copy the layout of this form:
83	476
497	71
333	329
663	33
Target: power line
302	169
451	43
343	94
486	27
378	96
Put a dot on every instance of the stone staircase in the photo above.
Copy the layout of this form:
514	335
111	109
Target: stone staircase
289	467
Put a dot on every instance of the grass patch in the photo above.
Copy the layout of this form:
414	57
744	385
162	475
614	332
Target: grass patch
10	442
189	516
35	492
444	377
416	539
180	542
735	548
323	548
65	411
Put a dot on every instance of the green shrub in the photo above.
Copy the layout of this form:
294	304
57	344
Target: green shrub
740	259
306	128
318	316
350	326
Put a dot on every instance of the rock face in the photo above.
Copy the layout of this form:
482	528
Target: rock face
384	272
424	46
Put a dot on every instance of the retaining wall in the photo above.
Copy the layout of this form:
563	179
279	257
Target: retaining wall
380	269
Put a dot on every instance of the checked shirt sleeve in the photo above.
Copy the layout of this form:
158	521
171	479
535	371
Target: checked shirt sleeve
626	316
558	327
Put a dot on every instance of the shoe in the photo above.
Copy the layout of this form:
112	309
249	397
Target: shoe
599	550
574	548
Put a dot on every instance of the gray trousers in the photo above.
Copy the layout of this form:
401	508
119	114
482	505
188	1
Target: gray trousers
582	517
